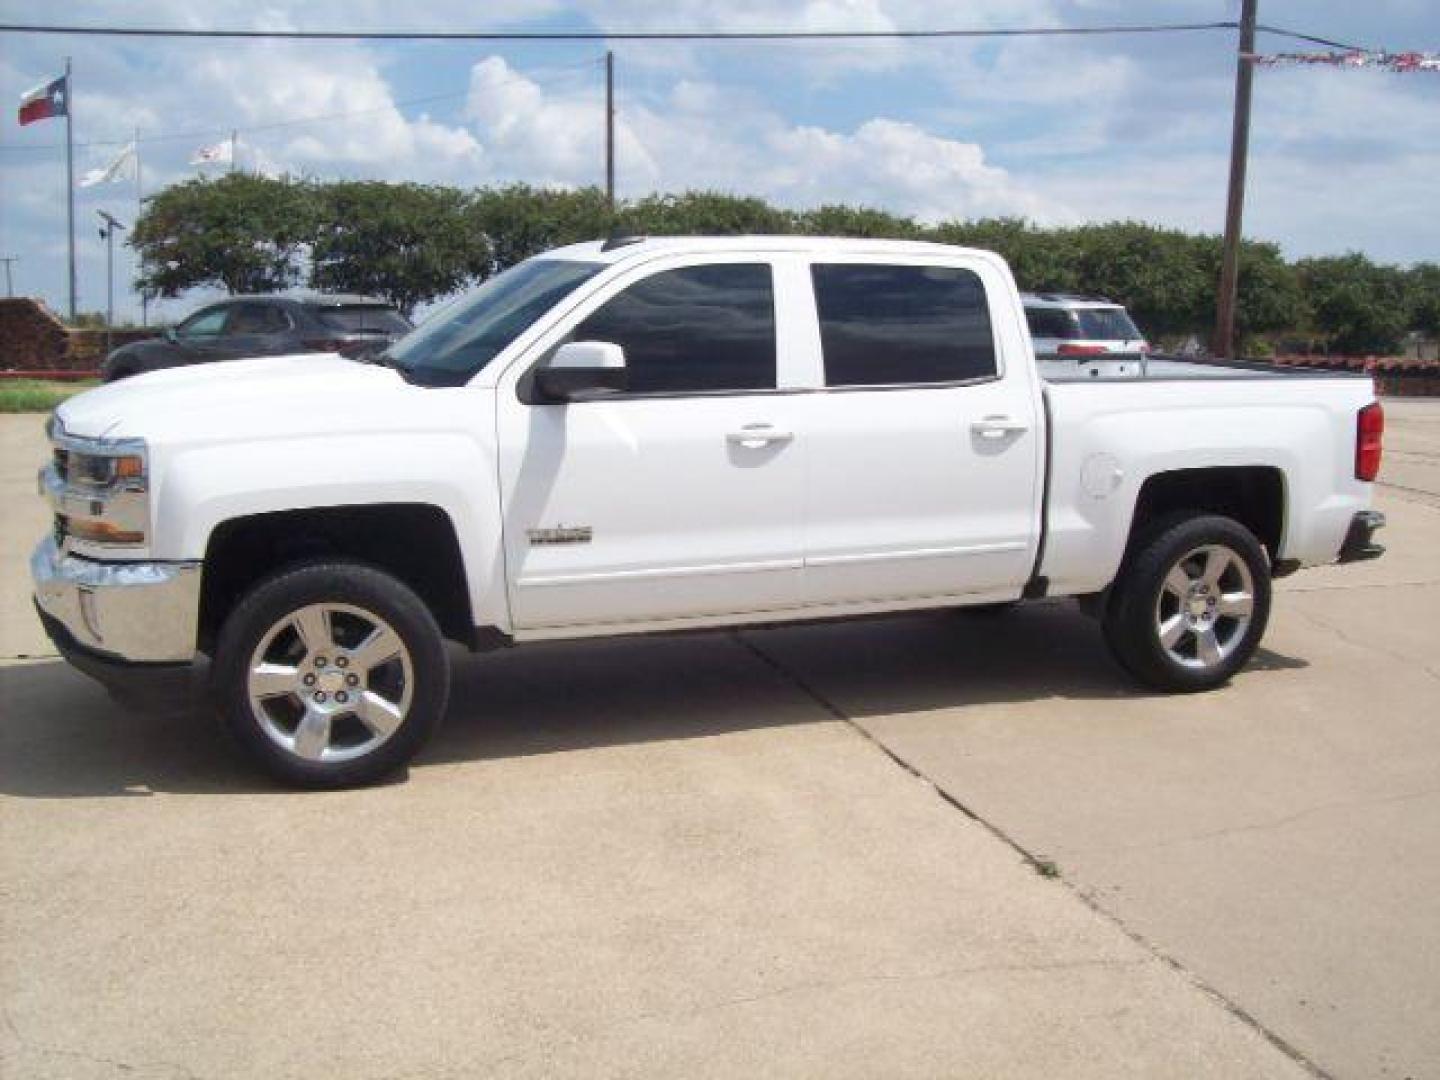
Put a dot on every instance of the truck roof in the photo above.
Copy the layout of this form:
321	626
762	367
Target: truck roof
619	249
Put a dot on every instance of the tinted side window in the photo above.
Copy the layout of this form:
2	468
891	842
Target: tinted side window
881	325
257	319
1050	322
202	323
698	328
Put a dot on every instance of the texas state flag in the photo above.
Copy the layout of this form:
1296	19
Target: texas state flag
46	100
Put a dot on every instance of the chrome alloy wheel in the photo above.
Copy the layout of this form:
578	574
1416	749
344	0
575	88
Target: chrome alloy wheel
1205	606
330	682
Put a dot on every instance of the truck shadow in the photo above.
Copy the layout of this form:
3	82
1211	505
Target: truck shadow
62	737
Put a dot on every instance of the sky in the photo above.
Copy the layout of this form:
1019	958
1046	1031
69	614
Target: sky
1058	130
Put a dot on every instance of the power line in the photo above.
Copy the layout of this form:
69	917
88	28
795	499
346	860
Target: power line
610	35
1307	37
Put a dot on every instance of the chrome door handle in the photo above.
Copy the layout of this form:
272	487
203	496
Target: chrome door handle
757	435
997	427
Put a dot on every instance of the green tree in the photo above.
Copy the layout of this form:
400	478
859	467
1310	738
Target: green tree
1269	297
242	232
520	221
834	220
1041	259
1358	306
409	243
704	213
1422	285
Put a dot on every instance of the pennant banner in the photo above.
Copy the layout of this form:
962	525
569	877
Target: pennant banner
1358	58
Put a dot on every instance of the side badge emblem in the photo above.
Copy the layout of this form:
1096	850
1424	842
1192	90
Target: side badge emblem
564	534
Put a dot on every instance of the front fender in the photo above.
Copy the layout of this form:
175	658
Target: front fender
198	488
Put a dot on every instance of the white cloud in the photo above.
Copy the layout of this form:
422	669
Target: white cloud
699	140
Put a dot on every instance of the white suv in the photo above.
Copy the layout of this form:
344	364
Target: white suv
1066	325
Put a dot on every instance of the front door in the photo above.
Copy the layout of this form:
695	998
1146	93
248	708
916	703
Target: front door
923	453
678	498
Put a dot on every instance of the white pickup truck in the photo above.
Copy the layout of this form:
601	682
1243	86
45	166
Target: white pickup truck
654	435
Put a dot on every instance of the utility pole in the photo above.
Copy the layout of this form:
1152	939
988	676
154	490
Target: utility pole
70	177
234	150
1223	343
9	281
610	129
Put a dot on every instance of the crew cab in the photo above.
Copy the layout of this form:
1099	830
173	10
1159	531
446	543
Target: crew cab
656	435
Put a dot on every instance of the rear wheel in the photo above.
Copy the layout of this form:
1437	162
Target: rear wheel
1191	603
331	674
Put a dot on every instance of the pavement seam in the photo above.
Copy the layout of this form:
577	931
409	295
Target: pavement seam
1041	866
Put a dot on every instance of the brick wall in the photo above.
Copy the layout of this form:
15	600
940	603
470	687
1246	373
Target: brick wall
32	338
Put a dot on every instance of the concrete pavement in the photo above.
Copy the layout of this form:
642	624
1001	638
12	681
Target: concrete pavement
688	856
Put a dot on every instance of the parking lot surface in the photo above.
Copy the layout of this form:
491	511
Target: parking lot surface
800	851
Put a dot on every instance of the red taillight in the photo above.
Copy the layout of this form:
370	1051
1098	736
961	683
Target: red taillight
1082	350
1369	432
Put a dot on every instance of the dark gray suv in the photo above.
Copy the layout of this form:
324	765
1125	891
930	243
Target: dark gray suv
239	327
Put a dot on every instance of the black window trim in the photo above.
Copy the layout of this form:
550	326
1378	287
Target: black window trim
627	276
880	260
525	381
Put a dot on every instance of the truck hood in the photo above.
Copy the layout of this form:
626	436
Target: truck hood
237	396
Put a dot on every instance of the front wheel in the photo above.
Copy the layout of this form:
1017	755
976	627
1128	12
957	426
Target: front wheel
331	674
1191	603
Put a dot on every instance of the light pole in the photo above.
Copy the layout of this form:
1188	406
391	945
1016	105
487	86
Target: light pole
107	233
9	260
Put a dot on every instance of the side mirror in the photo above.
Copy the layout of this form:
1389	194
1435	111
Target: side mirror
169	334
580	371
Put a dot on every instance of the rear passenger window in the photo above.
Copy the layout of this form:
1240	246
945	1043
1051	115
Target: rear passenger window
694	329
883	325
1049	322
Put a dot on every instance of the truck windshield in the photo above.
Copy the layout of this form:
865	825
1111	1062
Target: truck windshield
451	346
1106	324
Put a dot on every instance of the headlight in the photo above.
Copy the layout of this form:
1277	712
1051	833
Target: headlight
99	490
104	470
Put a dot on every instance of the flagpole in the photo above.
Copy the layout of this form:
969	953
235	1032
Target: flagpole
139	205
70	177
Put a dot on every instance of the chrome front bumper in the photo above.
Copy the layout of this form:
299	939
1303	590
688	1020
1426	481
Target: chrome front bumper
143	612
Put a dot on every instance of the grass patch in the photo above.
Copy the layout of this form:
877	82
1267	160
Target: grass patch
38	395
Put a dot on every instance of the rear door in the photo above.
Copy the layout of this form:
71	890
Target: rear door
680	498
923	451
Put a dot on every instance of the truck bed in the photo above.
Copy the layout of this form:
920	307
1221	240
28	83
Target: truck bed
1109	432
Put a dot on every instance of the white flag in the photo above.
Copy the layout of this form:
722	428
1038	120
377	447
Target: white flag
222	153
114	171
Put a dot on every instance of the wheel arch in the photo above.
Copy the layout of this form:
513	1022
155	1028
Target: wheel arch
415	542
1253	495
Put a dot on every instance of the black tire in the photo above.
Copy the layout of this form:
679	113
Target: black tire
1142	608
364	593
116	373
